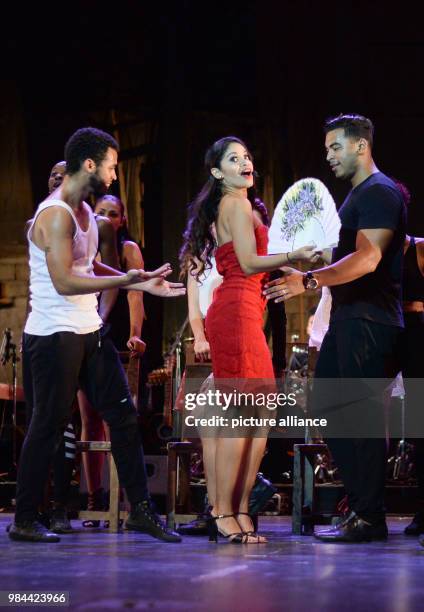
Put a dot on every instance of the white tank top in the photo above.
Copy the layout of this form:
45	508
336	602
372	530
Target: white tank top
50	311
209	281
321	320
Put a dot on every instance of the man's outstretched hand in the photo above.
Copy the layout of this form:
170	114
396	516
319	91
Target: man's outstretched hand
139	276
161	288
286	287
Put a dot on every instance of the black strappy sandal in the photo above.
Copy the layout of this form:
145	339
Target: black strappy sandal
252	533
237	537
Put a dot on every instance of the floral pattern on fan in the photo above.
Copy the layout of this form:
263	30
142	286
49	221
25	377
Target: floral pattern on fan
306	214
297	210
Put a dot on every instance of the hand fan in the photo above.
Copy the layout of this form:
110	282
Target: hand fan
305	214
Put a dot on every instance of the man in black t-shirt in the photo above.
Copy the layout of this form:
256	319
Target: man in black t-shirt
366	319
374	203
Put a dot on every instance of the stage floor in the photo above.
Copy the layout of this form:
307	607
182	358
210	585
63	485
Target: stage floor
105	571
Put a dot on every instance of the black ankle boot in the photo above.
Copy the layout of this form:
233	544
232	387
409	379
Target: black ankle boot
261	493
416	526
144	518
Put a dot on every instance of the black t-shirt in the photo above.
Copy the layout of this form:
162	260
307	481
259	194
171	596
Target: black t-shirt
375	203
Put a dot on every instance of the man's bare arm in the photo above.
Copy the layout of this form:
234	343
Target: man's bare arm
370	246
53	233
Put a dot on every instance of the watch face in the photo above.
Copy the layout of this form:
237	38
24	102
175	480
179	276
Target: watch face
311	283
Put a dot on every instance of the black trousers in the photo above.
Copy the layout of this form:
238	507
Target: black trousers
55	366
412	342
277	325
64	459
358	348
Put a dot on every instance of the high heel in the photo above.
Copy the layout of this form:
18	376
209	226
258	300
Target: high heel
252	533
237	537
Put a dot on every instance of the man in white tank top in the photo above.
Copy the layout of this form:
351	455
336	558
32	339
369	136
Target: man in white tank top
56	517
63	347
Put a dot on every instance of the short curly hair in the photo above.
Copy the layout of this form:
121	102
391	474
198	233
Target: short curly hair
355	126
87	143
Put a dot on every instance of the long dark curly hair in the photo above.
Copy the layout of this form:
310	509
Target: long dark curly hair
199	241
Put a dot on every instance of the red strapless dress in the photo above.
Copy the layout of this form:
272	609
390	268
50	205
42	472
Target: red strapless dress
234	320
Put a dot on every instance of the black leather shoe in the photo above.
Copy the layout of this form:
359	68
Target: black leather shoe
342	520
42	517
199	526
31	531
421	540
144	518
416	526
59	522
261	493
354	530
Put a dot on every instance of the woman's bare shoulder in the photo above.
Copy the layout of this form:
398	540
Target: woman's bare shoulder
232	202
130	245
131	252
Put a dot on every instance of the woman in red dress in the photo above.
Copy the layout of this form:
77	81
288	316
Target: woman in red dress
235	318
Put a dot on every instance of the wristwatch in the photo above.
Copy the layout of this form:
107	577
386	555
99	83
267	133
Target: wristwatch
309	281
